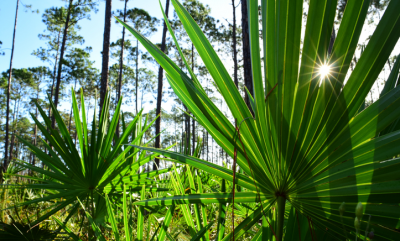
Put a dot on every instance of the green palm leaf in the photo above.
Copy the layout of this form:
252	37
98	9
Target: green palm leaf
93	166
307	144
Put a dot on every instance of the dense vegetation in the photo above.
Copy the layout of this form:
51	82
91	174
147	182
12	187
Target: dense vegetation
299	140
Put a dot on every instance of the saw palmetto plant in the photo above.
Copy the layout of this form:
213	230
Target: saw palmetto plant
90	167
309	147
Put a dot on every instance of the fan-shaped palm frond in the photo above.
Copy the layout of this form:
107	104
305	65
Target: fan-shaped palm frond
93	165
307	143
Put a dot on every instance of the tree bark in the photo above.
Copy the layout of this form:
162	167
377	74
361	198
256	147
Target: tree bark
159	90
55	70
121	64
54	80
235	63
35	130
106	55
6	162
16	111
193	122
331	41
248	82
187	131
64	41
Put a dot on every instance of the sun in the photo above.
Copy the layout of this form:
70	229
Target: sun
324	70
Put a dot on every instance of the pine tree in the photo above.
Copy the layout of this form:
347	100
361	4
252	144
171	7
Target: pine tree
121	64
159	90
40	74
248	79
6	161
75	12
106	54
146	25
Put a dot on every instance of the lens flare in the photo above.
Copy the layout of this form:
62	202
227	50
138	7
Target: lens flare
324	70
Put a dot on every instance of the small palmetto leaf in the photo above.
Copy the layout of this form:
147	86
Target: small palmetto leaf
91	167
202	232
70	233
111	216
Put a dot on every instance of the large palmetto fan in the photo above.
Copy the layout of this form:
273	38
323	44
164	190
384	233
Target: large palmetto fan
93	166
307	145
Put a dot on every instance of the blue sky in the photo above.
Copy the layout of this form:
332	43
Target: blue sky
29	25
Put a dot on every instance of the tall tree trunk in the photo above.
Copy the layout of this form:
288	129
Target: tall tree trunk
331	41
10	155
141	98
212	150
187	131
17	147
193	122
248	82
35	138
106	55
16	111
6	162
55	70
203	146
121	64
54	80
159	90
64	41
235	63
137	73
35	129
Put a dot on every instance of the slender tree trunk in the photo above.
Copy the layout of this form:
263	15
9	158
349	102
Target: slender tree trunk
16	111
193	135
193	121
141	98
248	82
187	130
55	70
106	55
212	150
35	130
137	73
331	41
64	41
203	146
54	80
121	64
235	63
17	147
6	162
159	90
